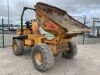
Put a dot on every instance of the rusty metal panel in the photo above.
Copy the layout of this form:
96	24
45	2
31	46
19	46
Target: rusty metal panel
60	18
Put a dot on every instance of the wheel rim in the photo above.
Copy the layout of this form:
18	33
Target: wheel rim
38	57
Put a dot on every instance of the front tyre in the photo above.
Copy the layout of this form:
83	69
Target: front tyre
42	57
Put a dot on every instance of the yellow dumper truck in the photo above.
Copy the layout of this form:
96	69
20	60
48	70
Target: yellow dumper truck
54	21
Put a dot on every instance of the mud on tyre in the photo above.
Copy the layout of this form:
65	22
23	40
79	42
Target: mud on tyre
42	57
18	47
72	51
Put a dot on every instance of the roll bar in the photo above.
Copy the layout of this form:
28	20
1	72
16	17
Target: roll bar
24	9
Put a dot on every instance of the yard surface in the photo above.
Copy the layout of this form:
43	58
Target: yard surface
87	62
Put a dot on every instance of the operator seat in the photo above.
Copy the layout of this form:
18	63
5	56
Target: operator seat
28	25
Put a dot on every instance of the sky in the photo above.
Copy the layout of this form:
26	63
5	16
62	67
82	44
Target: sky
90	8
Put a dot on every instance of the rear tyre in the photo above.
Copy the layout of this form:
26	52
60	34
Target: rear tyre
18	47
42	57
72	51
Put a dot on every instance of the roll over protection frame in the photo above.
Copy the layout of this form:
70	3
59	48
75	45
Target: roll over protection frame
24	9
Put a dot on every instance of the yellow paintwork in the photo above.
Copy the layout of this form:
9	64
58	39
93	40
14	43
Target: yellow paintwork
35	28
35	37
29	42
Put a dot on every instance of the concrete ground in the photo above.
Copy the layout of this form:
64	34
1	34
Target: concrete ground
87	62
